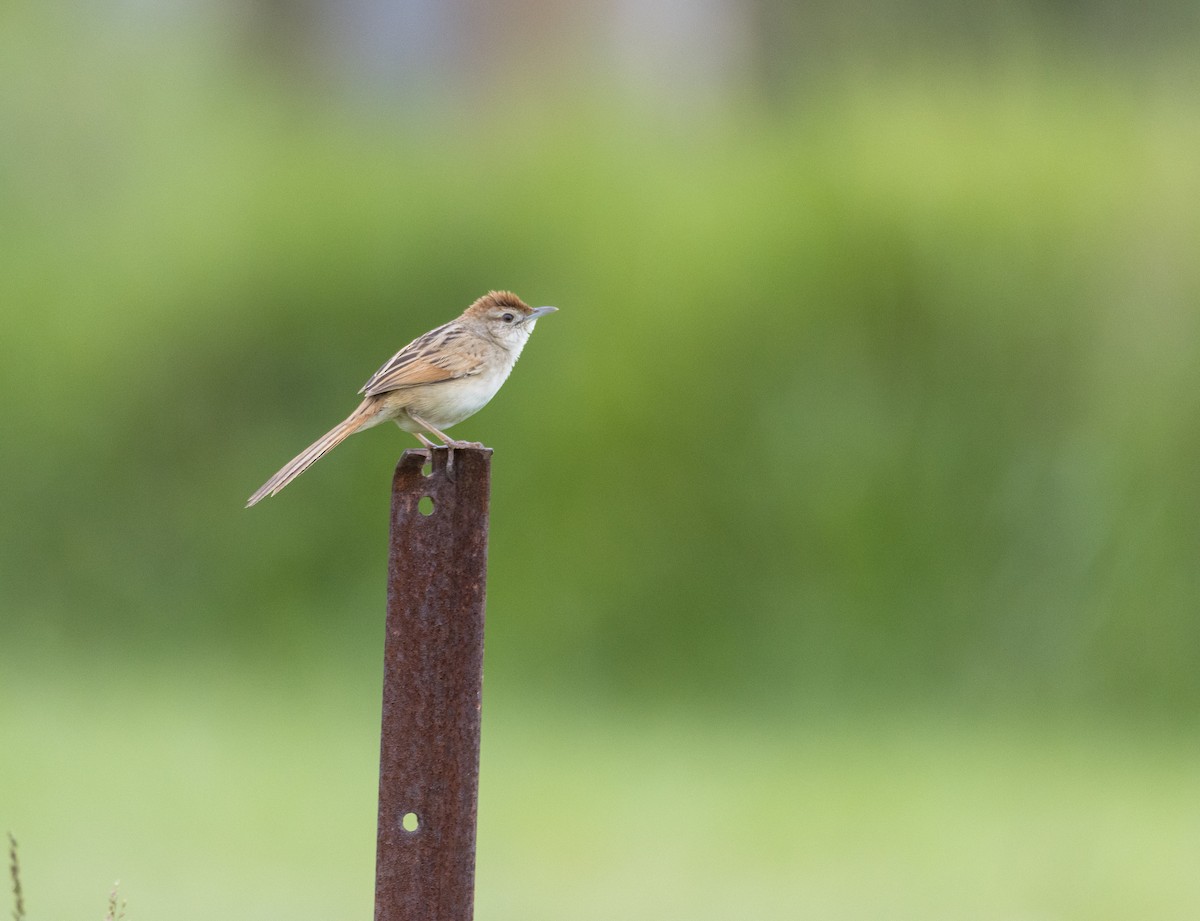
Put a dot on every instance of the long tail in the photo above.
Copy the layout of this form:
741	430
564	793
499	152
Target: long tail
360	418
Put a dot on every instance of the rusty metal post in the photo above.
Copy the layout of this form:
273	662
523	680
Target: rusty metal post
432	687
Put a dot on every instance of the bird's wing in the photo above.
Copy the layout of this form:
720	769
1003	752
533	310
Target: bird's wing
432	358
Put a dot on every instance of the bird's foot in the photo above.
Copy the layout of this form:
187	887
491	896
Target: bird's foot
450	445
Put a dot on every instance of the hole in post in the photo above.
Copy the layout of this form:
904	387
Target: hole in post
427	469
410	822
425	506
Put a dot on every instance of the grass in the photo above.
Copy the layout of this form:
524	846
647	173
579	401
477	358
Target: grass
14	872
240	795
116	905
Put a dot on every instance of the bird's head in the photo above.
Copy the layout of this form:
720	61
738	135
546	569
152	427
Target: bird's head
504	317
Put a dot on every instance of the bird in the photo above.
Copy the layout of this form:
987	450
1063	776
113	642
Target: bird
432	383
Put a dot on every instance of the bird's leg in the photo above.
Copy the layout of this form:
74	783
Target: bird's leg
449	442
429	428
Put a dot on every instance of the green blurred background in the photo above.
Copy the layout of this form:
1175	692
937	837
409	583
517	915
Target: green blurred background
845	519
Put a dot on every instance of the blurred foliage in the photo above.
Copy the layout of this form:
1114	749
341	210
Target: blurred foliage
887	390
844	521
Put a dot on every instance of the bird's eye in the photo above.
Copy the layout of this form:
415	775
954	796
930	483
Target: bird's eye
507	318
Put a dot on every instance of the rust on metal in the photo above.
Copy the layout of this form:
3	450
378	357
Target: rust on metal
432	687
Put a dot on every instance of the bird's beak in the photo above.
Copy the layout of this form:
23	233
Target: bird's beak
540	312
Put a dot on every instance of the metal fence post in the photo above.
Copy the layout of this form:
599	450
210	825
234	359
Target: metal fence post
432	687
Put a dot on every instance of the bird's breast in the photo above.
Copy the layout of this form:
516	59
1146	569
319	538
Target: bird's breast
449	402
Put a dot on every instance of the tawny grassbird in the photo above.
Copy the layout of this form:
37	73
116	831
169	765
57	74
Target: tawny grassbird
441	378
